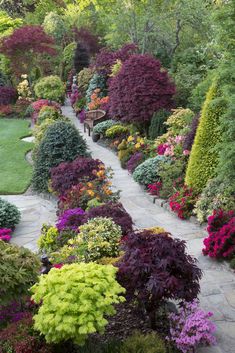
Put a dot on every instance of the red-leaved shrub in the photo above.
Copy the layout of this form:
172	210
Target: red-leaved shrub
140	89
68	174
220	243
155	268
115	211
8	95
26	46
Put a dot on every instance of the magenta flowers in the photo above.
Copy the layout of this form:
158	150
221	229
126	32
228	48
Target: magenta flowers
5	234
71	219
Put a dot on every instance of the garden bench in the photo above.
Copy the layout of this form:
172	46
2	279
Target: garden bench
93	117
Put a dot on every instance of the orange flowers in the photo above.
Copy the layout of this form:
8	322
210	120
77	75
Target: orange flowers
96	101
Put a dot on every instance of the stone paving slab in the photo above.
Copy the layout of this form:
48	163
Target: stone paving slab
34	212
218	283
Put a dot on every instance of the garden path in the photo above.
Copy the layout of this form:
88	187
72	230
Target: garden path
35	211
218	283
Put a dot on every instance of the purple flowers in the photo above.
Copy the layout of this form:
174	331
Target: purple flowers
136	159
191	328
5	234
71	219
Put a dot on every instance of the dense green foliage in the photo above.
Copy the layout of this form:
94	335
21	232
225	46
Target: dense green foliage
80	306
50	87
19	269
147	172
61	142
204	158
150	343
157	127
9	215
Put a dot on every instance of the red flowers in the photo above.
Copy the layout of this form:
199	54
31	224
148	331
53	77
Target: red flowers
220	243
182	202
155	188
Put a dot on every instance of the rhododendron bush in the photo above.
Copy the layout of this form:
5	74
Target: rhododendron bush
140	89
220	243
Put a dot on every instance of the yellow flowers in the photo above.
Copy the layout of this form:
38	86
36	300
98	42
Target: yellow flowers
90	193
130	139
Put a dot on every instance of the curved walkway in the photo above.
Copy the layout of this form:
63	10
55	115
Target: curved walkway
35	211
218	283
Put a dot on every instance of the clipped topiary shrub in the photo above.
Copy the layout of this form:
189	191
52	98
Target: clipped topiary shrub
19	270
9	215
147	172
157	126
50	87
61	142
203	159
112	210
82	296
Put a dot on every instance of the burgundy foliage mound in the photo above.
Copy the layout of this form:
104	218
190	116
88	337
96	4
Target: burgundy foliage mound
25	45
8	95
155	268
140	89
68	174
106	59
115	211
136	159
220	243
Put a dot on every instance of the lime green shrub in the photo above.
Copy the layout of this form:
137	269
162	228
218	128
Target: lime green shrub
47	239
19	269
83	79
203	159
47	112
116	130
149	343
75	300
50	87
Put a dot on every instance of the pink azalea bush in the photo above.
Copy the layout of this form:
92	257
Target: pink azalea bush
191	328
220	243
5	234
39	104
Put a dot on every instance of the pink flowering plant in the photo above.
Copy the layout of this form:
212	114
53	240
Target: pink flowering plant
220	244
5	234
154	189
183	201
173	147
191	328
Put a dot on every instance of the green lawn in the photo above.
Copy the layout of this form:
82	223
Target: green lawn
15	171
